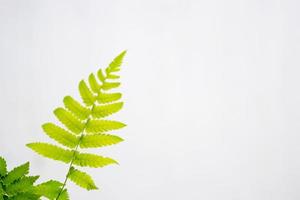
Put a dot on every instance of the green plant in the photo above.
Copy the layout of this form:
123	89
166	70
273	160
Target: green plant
17	185
85	126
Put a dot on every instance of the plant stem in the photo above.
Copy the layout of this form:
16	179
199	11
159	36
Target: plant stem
75	150
70	166
73	156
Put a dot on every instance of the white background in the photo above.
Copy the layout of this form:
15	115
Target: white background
211	91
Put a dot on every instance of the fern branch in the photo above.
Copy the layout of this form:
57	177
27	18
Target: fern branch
85	126
96	111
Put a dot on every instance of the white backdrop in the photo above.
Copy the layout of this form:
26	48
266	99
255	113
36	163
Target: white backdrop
211	91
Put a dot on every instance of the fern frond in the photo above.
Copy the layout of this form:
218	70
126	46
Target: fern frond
86	94
3	167
92	160
99	140
60	135
108	97
16	173
106	110
101	126
51	151
82	179
69	120
76	108
85	127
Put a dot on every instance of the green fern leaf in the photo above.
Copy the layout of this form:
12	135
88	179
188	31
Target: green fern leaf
99	140
112	76
110	85
94	84
23	185
82	179
106	110
69	120
60	135
52	151
16	173
86	95
108	97
91	160
101	76
76	108
32	179
101	126
17	185
86	121
49	189
3	167
115	65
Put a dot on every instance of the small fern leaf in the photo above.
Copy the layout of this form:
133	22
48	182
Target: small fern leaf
3	167
101	126
60	135
82	179
94	84
49	189
23	185
112	76
76	108
110	85
86	95
32	179
52	151
91	160
101	75
99	140
106	110
16	173
115	65
69	120
108	97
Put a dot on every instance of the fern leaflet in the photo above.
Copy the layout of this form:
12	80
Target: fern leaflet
82	179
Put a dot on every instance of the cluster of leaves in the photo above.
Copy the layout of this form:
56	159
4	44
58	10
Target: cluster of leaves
17	185
85	125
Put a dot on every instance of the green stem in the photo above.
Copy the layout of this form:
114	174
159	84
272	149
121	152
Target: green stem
73	156
75	150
